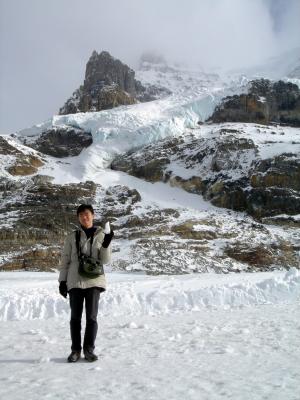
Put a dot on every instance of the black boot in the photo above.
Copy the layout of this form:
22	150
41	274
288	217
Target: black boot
74	356
89	355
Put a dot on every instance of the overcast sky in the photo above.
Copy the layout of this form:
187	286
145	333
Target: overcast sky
44	45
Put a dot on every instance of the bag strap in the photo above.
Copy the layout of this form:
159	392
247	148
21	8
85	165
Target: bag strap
92	239
77	237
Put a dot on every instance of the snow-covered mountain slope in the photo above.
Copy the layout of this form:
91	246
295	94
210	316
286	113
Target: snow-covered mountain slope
120	129
174	227
194	97
268	142
222	336
163	228
237	166
167	231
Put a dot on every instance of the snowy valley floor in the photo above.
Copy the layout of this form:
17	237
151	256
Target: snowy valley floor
234	336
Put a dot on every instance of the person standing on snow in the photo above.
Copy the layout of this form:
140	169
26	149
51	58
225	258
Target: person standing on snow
82	277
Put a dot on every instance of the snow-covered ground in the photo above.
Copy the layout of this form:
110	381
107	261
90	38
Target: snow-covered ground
200	336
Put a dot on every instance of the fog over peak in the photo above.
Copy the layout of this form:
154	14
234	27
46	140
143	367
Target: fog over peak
44	46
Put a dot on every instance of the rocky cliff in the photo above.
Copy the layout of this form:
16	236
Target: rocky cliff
266	102
63	141
108	83
228	166
158	237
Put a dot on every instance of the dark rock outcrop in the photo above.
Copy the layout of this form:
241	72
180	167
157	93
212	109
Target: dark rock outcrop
259	257
119	201
19	162
275	186
61	141
7	149
108	83
37	214
266	102
149	162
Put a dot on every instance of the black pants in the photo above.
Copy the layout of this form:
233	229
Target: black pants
91	297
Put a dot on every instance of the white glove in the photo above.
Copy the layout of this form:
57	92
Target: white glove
107	228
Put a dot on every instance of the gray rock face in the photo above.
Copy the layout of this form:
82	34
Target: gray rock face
119	201
148	163
108	83
8	149
156	240
265	103
18	162
275	186
36	215
104	70
61	141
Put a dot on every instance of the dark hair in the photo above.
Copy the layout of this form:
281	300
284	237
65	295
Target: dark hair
84	207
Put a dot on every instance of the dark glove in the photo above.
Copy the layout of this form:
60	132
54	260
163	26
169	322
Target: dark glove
107	239
63	290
